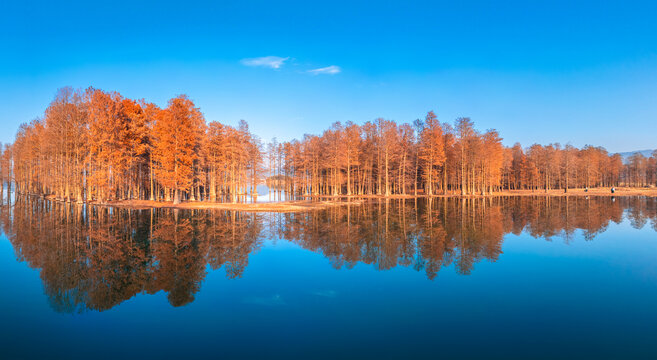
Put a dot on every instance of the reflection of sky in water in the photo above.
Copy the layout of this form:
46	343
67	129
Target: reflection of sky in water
540	299
266	196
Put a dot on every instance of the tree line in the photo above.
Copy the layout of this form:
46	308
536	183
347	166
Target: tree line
430	157
92	145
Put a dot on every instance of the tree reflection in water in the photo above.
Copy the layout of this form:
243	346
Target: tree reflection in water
93	258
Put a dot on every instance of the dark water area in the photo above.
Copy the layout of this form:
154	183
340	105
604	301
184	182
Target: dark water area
499	278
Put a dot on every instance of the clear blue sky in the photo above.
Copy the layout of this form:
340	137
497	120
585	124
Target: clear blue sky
538	71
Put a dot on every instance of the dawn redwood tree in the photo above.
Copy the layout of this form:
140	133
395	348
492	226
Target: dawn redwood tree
451	154
107	124
432	151
569	157
519	177
388	142
352	142
493	155
234	151
418	125
369	157
7	168
150	112
255	158
178	132
335	156
216	152
466	136
405	138
136	146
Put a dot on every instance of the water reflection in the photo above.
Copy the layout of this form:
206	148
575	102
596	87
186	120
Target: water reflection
95	258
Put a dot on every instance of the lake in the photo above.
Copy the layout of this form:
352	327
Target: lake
499	277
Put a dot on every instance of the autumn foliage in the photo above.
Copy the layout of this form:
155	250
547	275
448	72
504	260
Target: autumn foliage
431	158
97	146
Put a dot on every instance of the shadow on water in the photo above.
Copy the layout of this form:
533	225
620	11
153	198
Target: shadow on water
95	258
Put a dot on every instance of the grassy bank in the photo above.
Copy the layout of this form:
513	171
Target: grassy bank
325	201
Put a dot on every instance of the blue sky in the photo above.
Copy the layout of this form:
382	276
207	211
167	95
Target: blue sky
538	71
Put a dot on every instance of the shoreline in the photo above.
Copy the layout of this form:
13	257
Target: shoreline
315	202
282	206
620	191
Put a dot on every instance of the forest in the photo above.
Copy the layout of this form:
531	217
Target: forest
96	146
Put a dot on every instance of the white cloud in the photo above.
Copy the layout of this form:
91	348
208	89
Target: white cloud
273	62
331	70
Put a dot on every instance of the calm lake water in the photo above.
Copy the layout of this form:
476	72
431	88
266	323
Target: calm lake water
524	278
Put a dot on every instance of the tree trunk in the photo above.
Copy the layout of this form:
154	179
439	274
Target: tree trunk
176	197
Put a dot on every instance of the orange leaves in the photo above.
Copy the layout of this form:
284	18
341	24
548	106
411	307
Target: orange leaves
432	147
178	132
95	146
109	141
431	150
493	154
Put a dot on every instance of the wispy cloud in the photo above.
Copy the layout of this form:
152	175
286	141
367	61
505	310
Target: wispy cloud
273	62
331	70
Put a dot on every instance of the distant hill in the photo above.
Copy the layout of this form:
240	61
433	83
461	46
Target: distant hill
626	155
